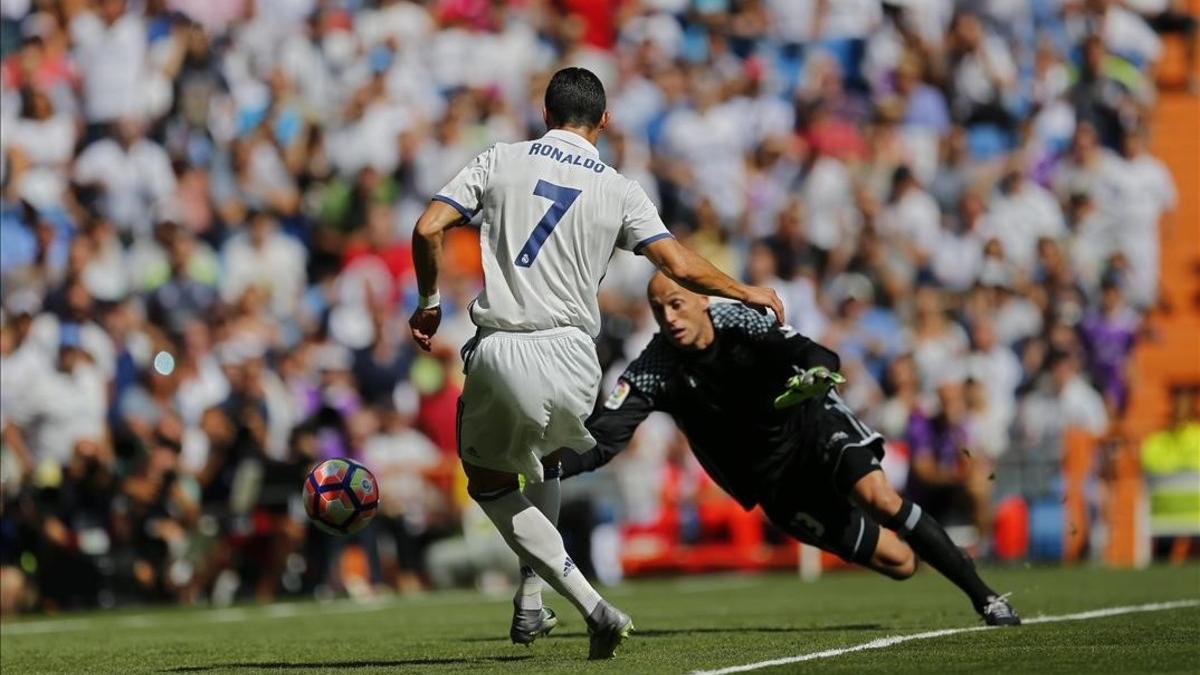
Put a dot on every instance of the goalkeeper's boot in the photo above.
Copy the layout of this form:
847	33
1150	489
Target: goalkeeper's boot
608	627
997	612
531	624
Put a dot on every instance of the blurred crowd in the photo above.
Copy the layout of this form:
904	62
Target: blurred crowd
205	270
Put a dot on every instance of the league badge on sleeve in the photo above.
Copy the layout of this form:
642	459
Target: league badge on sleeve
618	395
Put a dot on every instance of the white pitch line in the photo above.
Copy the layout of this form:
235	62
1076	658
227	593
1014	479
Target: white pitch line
928	635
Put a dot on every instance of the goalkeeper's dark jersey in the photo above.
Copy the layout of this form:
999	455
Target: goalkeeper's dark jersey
722	399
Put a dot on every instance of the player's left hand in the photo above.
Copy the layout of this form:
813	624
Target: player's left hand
813	382
424	324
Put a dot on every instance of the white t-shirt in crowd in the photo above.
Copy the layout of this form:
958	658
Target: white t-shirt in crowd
1020	219
915	219
957	259
827	193
45	332
851	19
137	180
112	59
1016	319
406	22
999	370
800	304
659	29
1148	193
18	368
399	461
711	143
1046	415
49	145
278	266
48	142
59	409
971	77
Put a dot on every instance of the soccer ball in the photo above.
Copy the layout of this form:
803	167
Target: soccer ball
340	496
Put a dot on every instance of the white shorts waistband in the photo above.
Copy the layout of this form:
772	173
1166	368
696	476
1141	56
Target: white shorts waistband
544	334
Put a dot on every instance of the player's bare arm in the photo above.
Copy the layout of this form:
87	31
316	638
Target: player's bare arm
428	236
690	270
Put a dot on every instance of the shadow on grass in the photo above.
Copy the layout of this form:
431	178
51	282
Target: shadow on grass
398	663
671	632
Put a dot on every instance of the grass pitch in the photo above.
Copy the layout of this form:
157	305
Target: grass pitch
683	625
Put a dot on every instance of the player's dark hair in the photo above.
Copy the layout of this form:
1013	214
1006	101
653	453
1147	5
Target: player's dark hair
575	97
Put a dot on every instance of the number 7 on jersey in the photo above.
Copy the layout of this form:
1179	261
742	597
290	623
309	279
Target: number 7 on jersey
562	198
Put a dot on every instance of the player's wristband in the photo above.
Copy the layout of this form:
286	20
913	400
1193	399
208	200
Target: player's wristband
429	301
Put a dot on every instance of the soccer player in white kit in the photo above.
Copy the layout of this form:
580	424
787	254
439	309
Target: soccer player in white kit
552	215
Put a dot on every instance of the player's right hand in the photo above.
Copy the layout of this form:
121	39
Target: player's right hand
762	299
424	324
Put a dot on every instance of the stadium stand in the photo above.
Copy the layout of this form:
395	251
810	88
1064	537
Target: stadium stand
205	208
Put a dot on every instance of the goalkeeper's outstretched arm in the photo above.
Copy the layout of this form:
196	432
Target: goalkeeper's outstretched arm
612	427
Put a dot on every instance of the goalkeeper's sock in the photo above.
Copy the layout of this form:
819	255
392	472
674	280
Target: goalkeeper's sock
931	543
546	496
535	539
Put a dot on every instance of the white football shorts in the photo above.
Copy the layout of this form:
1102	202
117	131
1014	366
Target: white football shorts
527	394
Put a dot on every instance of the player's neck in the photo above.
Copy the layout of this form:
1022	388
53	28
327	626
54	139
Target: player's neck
707	335
590	134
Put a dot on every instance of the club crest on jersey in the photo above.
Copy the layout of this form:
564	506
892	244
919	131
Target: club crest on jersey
618	395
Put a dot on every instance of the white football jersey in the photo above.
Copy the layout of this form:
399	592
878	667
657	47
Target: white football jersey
553	214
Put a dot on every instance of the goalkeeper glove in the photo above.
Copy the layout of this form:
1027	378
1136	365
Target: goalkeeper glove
813	382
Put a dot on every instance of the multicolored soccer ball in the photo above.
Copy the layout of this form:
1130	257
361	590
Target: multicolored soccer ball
341	496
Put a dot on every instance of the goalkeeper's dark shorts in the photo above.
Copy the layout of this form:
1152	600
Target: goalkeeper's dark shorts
810	499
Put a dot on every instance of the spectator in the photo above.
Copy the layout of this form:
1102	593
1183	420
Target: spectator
265	258
983	75
958	252
942	474
132	173
1021	213
987	428
1171	461
1063	401
938	342
994	367
1108	336
111	48
42	145
1104	90
912	220
1148	193
182	299
65	405
862	330
413	475
903	398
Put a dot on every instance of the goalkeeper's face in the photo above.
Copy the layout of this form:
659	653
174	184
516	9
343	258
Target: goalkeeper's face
682	315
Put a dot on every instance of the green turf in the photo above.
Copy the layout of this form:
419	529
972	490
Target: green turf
682	625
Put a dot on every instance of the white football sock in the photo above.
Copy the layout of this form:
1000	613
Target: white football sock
533	538
546	496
